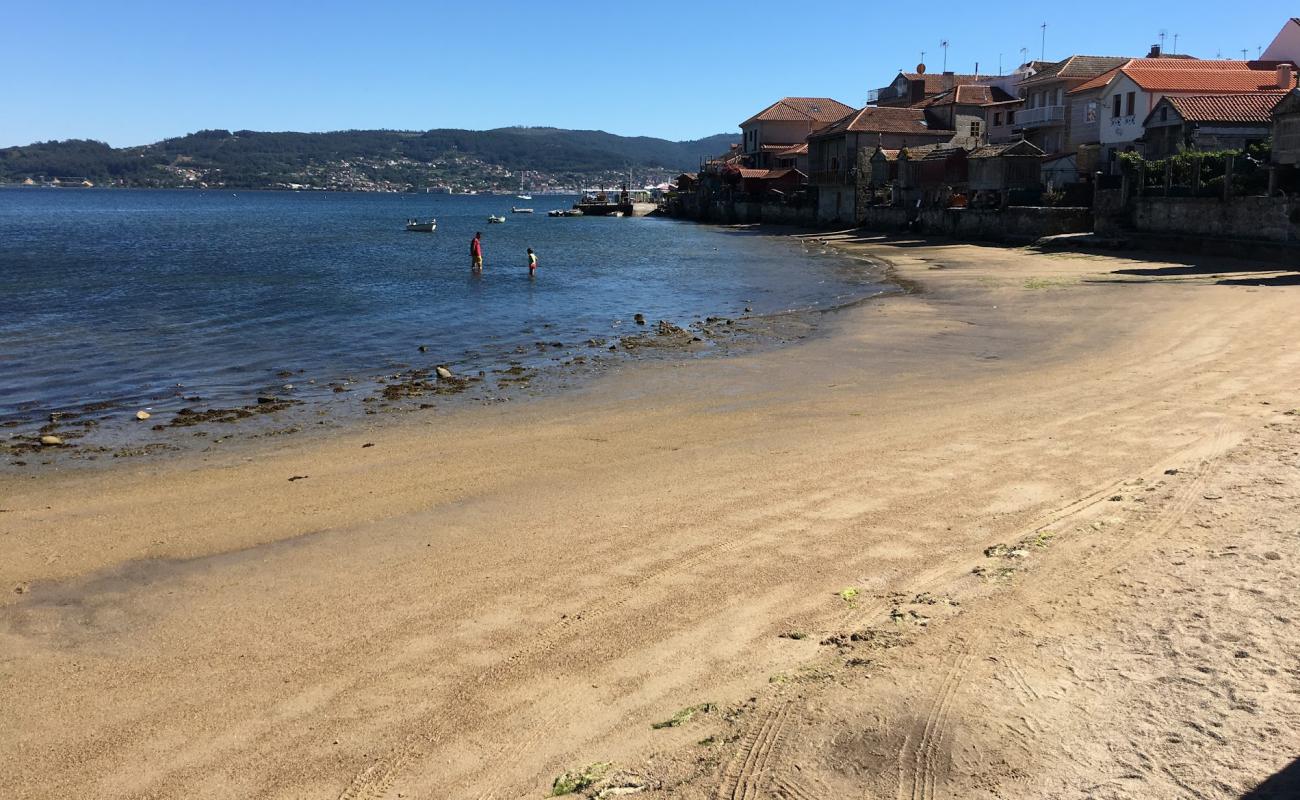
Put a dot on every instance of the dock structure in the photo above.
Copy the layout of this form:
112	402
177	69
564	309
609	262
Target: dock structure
606	203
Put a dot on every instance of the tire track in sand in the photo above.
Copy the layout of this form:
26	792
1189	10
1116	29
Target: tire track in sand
748	771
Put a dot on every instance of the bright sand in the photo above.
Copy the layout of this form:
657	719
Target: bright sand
488	597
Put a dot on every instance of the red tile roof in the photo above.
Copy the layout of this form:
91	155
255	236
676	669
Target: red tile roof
882	119
794	150
1195	76
801	109
765	174
1253	107
967	95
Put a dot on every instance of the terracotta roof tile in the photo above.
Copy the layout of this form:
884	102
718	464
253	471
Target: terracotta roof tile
801	109
794	150
1195	76
967	95
1253	107
878	119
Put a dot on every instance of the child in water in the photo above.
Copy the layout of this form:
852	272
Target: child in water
532	262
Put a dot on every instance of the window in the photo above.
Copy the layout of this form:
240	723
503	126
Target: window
976	128
1011	117
997	119
1132	102
1119	107
1060	97
1164	113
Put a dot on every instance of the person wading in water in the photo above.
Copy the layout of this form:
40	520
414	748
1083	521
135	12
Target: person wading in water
476	252
532	262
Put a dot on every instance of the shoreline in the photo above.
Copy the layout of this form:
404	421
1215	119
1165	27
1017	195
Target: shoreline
473	603
398	389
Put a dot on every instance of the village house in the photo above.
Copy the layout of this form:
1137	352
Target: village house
833	152
1049	119
961	109
1129	93
1208	122
1000	121
784	125
911	88
1286	130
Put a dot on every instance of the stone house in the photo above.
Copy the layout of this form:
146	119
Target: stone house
833	152
961	110
932	173
785	124
1000	167
1286	130
1208	122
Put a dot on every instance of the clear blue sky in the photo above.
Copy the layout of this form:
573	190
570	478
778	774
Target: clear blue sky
132	72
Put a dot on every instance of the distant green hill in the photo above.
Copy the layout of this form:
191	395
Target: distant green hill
359	159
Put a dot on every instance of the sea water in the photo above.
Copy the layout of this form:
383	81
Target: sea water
134	297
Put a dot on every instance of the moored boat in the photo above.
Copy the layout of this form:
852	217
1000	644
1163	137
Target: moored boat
494	218
422	227
514	210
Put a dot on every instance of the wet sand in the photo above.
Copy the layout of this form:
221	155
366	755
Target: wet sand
1007	536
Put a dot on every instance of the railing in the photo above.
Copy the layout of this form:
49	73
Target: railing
1044	115
885	94
831	177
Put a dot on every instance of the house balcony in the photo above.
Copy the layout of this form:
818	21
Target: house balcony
1040	117
885	95
832	177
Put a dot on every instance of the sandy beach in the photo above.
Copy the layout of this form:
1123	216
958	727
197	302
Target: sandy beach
1031	530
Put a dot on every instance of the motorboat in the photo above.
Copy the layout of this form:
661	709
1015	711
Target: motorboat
422	227
523	197
514	210
496	219
555	212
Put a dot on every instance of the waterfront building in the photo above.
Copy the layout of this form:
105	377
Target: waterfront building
784	125
834	152
1208	122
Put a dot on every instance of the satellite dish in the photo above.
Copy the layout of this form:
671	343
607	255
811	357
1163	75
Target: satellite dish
920	69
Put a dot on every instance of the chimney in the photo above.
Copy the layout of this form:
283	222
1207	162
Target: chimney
1155	51
1285	76
916	90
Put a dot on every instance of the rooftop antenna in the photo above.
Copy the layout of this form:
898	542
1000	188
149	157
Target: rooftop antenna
944	44
1244	51
1163	34
922	56
999	63
1043	55
1175	44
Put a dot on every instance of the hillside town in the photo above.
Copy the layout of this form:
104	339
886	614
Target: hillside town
1089	141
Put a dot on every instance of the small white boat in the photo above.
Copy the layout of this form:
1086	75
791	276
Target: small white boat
520	210
524	196
555	212
493	218
422	227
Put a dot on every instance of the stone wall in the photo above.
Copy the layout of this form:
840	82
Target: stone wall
1016	223
1273	219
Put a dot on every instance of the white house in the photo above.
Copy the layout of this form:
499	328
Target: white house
1130	92
1286	47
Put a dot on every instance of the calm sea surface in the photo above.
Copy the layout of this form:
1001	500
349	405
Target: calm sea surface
119	296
